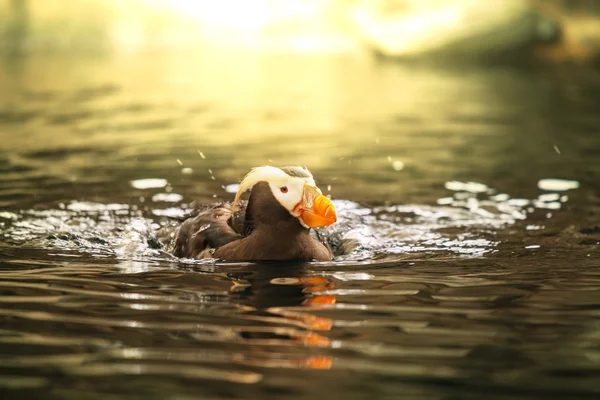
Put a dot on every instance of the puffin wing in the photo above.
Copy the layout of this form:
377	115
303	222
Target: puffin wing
237	220
204	230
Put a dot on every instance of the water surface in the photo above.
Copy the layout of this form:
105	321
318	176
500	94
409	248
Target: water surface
467	280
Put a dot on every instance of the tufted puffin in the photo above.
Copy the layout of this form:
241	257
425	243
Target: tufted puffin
273	225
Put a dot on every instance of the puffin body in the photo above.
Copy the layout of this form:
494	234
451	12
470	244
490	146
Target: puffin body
274	225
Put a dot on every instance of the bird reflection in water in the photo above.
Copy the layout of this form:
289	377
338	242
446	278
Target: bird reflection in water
288	292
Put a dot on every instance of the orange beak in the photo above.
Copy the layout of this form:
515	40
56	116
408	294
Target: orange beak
316	209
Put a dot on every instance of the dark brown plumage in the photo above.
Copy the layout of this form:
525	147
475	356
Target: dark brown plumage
265	231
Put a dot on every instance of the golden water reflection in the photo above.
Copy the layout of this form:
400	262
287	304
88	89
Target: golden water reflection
151	116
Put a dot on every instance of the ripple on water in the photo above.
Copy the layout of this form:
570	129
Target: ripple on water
459	224
244	323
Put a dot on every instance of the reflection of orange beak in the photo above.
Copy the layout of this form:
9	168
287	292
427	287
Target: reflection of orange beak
323	299
316	210
319	362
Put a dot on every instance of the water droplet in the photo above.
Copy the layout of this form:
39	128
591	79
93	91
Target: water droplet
444	201
174	212
398	165
557	185
500	197
518	202
167	197
8	215
148	183
472	187
548	197
553	205
233	188
533	227
203	228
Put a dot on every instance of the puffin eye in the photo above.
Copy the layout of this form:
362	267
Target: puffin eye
283	189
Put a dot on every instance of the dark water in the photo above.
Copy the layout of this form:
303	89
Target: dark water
456	290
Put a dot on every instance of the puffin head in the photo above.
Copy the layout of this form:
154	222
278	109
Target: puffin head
295	190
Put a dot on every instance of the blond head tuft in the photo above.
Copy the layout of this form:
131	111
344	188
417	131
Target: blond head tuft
271	175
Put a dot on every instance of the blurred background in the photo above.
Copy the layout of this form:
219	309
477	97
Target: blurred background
551	29
96	93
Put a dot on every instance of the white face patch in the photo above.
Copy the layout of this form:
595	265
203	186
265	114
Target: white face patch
289	192
287	189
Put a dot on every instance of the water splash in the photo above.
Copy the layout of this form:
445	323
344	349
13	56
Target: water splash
460	224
